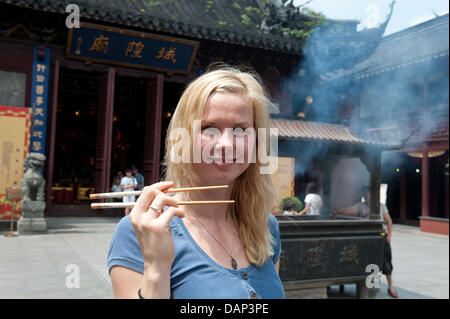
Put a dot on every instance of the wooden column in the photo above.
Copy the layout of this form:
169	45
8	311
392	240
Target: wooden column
104	132
375	182
403	186
51	139
327	179
153	120
425	181
326	192
372	160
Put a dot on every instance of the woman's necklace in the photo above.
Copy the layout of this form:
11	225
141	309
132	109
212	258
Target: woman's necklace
233	261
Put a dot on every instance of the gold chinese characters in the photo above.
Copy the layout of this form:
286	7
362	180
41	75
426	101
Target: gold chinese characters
38	109
167	54
100	44
135	49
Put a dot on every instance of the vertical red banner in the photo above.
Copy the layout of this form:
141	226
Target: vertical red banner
15	128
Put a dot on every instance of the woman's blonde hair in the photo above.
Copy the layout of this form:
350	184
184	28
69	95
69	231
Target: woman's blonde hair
253	192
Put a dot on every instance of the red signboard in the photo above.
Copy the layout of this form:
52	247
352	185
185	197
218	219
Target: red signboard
15	128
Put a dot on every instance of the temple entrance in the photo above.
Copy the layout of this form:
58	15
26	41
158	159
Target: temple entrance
80	150
128	125
129	122
403	174
75	136
172	94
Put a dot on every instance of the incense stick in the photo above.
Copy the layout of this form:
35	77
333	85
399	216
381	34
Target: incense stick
131	204
137	193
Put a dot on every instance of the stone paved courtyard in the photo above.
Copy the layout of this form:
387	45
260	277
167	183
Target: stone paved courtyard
41	266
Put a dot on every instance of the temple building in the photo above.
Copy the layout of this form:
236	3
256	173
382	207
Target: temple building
100	96
102	93
400	94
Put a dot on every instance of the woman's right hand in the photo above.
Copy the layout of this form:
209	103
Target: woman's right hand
152	228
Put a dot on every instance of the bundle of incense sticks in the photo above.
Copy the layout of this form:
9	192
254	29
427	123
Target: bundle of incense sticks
171	190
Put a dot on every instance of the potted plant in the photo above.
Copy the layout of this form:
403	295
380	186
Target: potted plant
297	202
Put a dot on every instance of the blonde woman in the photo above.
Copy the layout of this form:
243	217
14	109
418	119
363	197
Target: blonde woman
205	251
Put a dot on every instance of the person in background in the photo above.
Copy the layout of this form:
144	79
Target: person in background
289	208
363	210
116	187
139	178
128	184
119	175
313	202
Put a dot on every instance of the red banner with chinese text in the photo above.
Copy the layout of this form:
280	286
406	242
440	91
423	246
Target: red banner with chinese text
15	128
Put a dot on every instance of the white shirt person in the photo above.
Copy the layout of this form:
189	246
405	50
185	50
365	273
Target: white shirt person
128	184
313	201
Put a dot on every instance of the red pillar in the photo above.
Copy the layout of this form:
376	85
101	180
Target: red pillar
403	185
104	132
425	181
153	130
51	140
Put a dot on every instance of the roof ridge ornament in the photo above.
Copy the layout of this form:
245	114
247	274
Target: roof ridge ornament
335	49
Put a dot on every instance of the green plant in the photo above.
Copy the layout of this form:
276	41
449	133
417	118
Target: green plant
297	202
252	10
245	19
236	5
209	5
153	3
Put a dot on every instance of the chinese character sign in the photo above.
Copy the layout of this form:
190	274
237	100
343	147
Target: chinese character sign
39	100
15	125
131	49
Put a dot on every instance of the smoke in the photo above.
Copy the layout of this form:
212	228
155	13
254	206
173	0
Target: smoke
384	89
309	156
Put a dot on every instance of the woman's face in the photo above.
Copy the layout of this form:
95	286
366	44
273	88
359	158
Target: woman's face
223	141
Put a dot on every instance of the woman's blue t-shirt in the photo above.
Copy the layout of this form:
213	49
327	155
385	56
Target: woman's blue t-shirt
194	274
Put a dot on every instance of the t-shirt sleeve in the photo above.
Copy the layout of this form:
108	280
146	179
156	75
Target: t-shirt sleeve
275	231
124	249
308	199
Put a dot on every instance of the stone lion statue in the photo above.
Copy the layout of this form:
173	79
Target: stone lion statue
33	184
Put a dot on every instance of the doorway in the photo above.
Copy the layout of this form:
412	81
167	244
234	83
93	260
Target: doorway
75	138
172	94
77	125
128	125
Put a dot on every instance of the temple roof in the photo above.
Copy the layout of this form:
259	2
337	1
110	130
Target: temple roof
335	47
415	45
239	22
310	131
